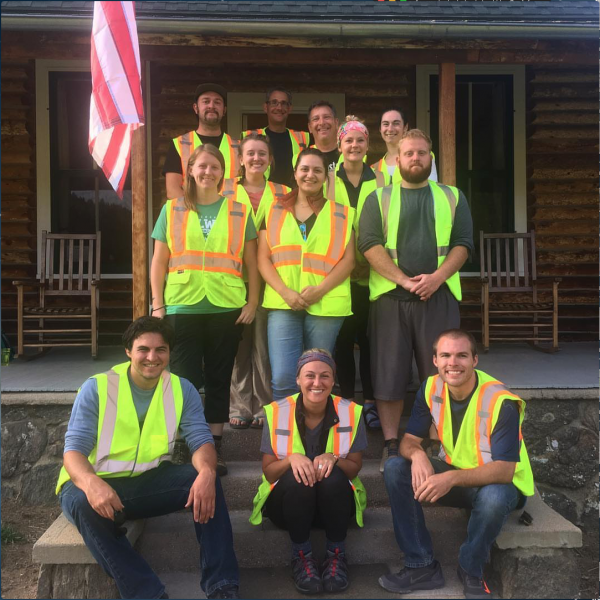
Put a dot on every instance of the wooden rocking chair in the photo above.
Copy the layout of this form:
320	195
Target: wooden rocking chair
76	257
510	308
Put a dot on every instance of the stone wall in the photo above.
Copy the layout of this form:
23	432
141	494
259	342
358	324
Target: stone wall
561	436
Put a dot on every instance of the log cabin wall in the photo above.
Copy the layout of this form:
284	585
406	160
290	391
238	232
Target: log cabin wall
562	189
19	228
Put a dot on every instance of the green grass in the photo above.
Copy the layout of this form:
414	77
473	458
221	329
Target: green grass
10	535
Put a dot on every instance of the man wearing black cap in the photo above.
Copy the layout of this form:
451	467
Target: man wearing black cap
210	104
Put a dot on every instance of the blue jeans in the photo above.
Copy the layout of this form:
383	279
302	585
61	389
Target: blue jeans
157	492
490	506
291	332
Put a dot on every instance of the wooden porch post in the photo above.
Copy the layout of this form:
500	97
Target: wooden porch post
139	223
447	118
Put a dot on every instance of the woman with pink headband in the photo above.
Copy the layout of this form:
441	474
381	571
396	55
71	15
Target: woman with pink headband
312	449
351	184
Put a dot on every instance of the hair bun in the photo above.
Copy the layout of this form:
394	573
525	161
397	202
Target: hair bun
353	118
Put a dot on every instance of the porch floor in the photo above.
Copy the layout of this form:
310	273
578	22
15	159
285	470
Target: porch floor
520	367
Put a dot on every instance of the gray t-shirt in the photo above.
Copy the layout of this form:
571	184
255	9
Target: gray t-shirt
312	443
417	245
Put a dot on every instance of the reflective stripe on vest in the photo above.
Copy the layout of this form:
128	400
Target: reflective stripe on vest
282	431
473	441
183	258
186	143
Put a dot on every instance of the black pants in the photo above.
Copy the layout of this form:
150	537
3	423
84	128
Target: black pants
297	507
354	329
212	338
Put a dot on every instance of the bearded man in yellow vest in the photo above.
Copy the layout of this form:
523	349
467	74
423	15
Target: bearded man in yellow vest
482	465
210	105
118	465
416	235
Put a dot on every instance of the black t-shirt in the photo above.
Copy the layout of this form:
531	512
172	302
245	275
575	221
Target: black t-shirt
173	160
417	244
332	157
354	192
505	436
281	169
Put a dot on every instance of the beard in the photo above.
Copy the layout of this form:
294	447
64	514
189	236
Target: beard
416	176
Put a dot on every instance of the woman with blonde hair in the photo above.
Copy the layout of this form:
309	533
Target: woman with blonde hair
251	379
202	241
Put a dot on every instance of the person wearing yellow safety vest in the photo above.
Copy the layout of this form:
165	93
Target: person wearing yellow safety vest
210	105
416	236
392	127
118	465
202	242
305	256
312	453
251	378
351	184
483	465
285	143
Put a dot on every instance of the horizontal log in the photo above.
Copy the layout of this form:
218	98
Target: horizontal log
567	213
563	174
565	162
14	72
569	75
21	258
576	90
565	118
574	104
17	186
562	146
14	127
572	133
12	213
12	201
560	242
14	86
567	188
22	171
564	228
524	57
567	270
567	258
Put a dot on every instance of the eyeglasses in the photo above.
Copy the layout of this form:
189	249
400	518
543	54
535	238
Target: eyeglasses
276	103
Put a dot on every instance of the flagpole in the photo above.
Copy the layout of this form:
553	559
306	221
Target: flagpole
139	222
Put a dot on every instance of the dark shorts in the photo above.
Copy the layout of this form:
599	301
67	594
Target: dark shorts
397	330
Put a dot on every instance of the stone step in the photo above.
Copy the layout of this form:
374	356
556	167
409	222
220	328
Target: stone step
242	481
169	543
277	583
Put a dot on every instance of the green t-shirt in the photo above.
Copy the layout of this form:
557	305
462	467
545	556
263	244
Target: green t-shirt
207	215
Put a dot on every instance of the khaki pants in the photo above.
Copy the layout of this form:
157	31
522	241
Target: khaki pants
251	379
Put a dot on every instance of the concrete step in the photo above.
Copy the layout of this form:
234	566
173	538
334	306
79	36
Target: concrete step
242	481
277	583
169	543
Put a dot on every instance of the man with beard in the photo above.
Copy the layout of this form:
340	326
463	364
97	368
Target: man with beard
286	143
416	235
210	104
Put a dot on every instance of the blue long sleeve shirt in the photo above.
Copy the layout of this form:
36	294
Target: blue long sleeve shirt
82	431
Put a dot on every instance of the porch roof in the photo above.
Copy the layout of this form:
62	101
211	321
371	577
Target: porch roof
570	373
434	19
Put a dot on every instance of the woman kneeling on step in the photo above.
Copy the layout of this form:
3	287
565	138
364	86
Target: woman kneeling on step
312	452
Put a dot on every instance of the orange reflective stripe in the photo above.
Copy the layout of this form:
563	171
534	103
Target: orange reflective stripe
338	231
274	427
336	434
317	264
230	189
237	217
300	140
186	147
291	419
286	255
277	190
275	219
478	418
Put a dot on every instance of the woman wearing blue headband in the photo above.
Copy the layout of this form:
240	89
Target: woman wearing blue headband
312	452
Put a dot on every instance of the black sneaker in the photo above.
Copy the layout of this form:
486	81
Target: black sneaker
335	572
227	591
306	574
410	580
473	586
221	464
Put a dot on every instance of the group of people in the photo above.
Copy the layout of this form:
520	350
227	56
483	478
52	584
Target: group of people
272	259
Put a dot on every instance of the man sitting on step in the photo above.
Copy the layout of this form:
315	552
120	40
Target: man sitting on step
118	465
482	465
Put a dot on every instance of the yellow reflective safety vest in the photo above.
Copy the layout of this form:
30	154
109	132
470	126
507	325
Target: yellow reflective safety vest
286	440
210	267
473	444
186	143
121	449
233	189
381	167
337	192
299	139
445	200
302	263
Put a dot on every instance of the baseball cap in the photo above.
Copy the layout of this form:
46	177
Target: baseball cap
211	87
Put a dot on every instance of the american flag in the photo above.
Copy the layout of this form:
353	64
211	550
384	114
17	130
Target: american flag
116	107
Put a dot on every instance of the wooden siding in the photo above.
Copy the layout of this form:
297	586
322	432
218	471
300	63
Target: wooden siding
19	229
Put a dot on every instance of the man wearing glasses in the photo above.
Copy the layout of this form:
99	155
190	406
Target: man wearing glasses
285	143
